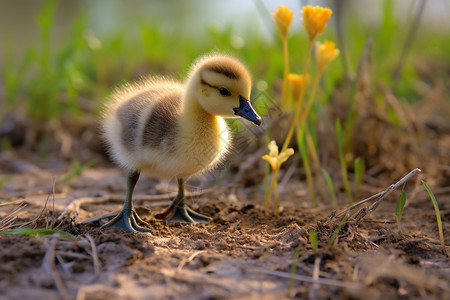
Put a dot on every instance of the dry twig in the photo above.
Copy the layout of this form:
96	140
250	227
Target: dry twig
380	196
94	254
315	287
8	221
48	264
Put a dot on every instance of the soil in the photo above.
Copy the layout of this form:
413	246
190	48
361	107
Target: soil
241	254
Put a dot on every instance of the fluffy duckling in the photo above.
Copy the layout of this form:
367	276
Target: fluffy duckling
169	129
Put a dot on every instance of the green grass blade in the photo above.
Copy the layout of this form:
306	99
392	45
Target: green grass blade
41	232
399	205
438	216
330	187
336	232
313	239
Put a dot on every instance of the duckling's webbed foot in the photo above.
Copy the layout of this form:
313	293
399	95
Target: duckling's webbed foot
126	220
179	212
183	214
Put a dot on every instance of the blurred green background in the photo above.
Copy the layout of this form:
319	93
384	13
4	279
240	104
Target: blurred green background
53	53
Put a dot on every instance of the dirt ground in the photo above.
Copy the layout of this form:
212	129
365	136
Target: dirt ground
241	254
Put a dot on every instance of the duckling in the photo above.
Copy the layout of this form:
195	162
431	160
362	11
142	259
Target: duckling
168	129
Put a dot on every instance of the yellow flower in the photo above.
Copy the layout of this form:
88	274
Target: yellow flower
298	83
273	148
325	53
283	17
275	158
314	19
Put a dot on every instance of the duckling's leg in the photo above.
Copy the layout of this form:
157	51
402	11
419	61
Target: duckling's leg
179	212
126	219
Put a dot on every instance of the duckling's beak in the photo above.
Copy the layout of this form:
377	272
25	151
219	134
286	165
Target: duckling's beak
246	111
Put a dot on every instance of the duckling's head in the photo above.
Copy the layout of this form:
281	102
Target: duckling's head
222	85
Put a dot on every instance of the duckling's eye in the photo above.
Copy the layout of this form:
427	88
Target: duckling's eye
224	92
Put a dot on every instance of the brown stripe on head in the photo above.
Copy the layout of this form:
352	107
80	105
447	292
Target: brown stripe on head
160	126
226	66
225	70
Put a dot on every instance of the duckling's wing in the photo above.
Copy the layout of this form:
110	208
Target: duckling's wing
160	126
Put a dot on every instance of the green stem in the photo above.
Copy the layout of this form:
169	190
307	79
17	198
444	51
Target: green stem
299	103
313	152
266	169
336	232
438	217
269	194
275	196
311	98
285	88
